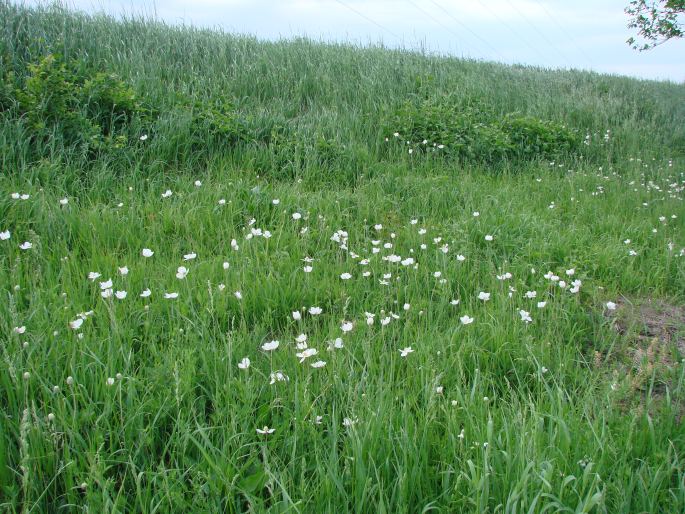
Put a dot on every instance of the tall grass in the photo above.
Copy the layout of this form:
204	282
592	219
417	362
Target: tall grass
332	90
143	407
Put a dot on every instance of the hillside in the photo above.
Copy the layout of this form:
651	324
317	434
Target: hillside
248	276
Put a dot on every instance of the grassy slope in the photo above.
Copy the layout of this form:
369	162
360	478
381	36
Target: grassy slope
565	426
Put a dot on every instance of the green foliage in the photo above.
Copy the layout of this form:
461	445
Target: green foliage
65	101
532	137
214	120
470	130
657	21
500	415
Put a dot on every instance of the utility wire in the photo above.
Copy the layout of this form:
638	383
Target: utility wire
466	27
436	20
561	27
540	33
534	49
369	19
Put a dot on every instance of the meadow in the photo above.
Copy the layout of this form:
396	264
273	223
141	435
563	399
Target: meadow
247	276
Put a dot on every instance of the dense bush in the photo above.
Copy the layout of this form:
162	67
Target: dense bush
470	130
70	104
532	137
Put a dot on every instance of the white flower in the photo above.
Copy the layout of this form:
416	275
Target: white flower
189	256
488	237
270	346
19	330
222	201
170	296
106	285
278	376
611	306
406	306
405	351
306	353
275	201
244	364
226	265
297	315
297	215
307	269
318	364
345	276
348	422
120	295
76	324
64	201
110	381
4	236
525	316
346	326
531	294
266	430
234	245
181	272
238	295
123	271
461	258
466	320
541	304
301	339
337	344
315	311
476	214
439	389
93	275
107	293
570	272
197	183
143	137
483	296
147	252
145	293
26	245
167	193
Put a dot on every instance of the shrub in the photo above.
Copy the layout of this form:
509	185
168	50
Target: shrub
469	130
66	101
531	137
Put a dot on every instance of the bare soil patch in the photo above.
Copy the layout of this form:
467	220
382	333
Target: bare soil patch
652	346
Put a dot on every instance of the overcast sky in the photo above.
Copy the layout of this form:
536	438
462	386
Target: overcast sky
586	34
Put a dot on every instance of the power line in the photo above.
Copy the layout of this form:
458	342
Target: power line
550	43
466	27
534	49
429	15
561	27
369	19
